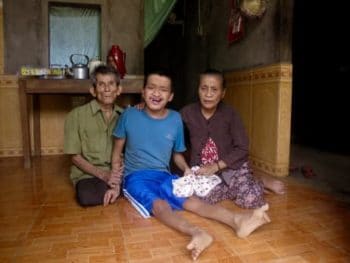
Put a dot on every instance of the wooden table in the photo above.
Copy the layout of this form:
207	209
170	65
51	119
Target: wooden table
34	87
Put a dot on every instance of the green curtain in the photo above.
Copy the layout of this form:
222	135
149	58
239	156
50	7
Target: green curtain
156	12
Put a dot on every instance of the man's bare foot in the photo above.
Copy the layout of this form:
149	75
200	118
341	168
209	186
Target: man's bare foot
200	241
247	222
272	184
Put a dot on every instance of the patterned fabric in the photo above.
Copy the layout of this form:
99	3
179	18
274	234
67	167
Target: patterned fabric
191	184
209	152
238	185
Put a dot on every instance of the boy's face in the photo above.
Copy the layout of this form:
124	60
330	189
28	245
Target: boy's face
157	92
210	91
106	90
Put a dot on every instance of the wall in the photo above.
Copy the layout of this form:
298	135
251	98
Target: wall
267	40
23	43
26	40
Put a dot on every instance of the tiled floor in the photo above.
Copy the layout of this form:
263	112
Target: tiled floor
41	222
331	170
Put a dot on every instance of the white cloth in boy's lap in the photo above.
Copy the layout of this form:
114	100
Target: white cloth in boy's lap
191	184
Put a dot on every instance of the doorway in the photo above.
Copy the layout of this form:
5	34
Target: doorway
321	70
166	51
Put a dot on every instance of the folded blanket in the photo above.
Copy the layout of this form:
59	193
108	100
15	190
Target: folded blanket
191	184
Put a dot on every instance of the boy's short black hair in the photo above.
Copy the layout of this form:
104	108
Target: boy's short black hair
215	72
161	72
104	70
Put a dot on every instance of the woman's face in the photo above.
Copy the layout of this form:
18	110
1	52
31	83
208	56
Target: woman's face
210	91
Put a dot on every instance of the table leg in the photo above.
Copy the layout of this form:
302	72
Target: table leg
36	125
23	105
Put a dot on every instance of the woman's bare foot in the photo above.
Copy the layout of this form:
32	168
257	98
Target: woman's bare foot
273	184
247	222
200	241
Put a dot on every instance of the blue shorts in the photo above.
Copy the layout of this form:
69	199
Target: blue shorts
143	187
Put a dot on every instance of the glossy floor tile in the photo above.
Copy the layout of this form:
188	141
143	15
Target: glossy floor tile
41	222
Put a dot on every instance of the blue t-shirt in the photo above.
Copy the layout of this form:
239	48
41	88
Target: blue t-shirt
149	142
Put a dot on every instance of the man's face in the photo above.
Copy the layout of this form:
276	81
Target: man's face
210	91
106	90
157	92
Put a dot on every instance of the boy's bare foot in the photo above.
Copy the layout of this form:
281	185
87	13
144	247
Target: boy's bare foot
200	241
250	221
273	184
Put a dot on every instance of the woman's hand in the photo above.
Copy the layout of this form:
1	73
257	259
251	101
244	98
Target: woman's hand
207	169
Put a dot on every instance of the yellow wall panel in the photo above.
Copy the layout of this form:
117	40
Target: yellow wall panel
10	132
263	97
53	110
264	119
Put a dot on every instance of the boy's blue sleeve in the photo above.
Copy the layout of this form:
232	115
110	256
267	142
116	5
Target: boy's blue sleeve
120	129
180	140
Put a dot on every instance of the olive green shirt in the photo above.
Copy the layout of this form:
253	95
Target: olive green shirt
87	133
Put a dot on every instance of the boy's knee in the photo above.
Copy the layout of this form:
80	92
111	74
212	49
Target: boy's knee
160	206
193	204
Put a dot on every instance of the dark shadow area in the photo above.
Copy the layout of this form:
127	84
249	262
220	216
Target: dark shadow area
166	51
321	69
320	107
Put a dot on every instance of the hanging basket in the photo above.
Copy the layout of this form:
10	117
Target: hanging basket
253	8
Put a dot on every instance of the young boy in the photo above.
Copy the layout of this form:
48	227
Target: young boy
219	145
88	139
150	138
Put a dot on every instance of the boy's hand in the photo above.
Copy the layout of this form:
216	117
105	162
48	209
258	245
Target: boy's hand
111	195
116	175
188	171
114	180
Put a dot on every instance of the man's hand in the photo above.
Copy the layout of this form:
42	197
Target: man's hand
111	195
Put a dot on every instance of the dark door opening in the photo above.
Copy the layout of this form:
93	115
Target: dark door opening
321	71
166	51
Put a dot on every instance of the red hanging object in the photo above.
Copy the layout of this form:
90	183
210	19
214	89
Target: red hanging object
235	24
116	57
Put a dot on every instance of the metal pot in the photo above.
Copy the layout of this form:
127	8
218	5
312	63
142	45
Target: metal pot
79	70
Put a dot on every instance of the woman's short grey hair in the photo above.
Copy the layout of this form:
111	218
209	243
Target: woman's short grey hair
214	72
